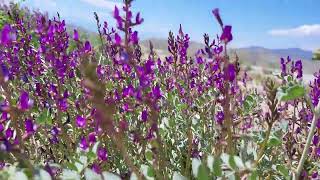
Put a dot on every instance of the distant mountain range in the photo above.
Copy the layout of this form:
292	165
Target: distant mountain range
258	56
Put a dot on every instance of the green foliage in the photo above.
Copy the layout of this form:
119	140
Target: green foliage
291	92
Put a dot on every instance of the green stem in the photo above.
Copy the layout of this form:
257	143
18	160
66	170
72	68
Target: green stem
263	145
308	143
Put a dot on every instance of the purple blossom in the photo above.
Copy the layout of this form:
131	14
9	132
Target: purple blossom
139	20
80	121
24	101
63	104
315	140
9	133
156	92
298	68
216	14
231	72
226	34
6	34
134	37
96	168
92	137
55	131
83	143
144	115
75	35
5	72
30	126
102	154
219	117
87	47
117	39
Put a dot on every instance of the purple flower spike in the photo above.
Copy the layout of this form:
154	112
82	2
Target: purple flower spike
226	34
30	126
92	137
87	47
219	117
298	68
139	20
314	174
117	39
231	72
75	35
156	92
24	101
216	14
315	140
116	13
144	115
80	121
84	143
96	168
5	34
5	72
9	133
134	37
102	154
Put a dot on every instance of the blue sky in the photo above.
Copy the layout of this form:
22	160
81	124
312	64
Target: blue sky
267	23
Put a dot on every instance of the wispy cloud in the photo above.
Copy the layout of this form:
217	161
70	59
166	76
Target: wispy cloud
107	4
300	31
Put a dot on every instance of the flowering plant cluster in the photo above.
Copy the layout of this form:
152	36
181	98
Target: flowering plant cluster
71	110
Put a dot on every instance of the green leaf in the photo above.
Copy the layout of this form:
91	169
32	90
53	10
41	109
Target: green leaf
149	155
72	166
217	171
203	173
274	141
150	172
228	160
44	118
253	175
291	92
282	170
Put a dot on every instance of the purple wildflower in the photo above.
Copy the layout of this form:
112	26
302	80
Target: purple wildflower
9	133
216	14
87	47
24	101
102	154
92	137
75	35
6	34
117	39
219	117
226	34
29	126
144	115
84	143
231	72
80	121
134	37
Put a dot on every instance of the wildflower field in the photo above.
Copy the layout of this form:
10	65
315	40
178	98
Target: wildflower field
70	110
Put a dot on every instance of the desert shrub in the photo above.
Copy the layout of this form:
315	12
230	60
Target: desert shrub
70	110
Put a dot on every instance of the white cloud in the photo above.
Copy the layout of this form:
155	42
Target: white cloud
300	31
102	3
